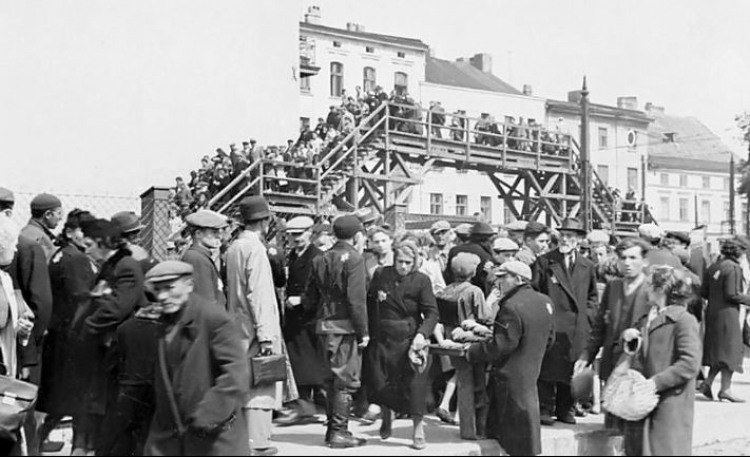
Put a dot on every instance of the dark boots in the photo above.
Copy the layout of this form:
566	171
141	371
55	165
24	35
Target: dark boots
338	435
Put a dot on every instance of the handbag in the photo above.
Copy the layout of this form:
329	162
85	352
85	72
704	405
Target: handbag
17	400
268	369
627	394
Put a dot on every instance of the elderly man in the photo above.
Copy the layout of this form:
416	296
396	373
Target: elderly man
535	242
441	232
202	373
206	231
252	300
336	290
523	332
46	214
569	279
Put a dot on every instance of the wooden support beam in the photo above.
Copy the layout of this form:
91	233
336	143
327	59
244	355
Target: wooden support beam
373	195
377	177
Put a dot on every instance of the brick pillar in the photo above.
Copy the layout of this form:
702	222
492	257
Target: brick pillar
395	217
155	219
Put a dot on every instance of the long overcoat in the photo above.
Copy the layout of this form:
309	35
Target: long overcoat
210	383
523	331
576	302
206	276
671	356
723	338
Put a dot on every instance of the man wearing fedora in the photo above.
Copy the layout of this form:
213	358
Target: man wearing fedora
569	279
205	229
130	231
252	300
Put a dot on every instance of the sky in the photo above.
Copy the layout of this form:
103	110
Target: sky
688	56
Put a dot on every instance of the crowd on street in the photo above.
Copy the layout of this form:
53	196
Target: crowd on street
275	322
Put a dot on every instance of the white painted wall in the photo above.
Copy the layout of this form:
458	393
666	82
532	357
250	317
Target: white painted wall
475	102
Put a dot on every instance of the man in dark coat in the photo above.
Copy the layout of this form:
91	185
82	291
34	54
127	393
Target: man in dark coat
569	279
202	376
299	322
524	330
205	226
479	244
336	290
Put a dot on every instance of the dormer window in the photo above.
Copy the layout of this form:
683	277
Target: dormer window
669	137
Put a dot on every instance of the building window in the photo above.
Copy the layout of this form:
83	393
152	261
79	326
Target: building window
603	138
603	172
485	207
462	205
436	203
706	182
401	83
369	83
683	180
401	55
336	44
337	79
664	179
632	179
369	49
684	210
664	210
304	83
508	216
705	212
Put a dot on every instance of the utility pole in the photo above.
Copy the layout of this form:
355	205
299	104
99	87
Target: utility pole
731	196
586	184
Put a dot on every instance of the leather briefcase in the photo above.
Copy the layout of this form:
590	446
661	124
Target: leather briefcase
17	400
268	369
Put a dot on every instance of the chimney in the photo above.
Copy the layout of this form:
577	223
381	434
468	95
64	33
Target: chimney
627	103
482	61
653	109
527	90
574	96
313	15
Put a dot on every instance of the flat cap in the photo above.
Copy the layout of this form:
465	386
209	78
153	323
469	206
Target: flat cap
299	224
346	226
505	244
515	267
463	229
516	226
45	202
598	237
465	264
6	196
169	270
650	232
205	218
481	228
127	221
254	208
440	226
680	236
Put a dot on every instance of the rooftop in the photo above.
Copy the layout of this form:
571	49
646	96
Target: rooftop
464	74
362	35
599	110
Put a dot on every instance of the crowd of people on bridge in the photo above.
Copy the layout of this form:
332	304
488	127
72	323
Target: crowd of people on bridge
261	320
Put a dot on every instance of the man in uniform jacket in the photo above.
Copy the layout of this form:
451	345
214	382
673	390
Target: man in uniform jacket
46	213
202	373
205	226
336	289
524	330
252	301
569	279
479	244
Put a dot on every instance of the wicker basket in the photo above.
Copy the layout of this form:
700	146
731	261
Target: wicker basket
628	395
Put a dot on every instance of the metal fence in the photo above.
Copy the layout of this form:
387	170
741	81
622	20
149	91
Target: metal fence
103	206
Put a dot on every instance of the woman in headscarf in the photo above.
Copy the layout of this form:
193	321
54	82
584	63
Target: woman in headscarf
669	358
723	349
72	275
402	315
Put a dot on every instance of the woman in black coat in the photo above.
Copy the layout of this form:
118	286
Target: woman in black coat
722	344
402	314
72	274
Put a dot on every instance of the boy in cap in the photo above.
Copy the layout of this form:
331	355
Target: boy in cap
205	229
440	232
46	214
535	242
200	352
336	290
252	299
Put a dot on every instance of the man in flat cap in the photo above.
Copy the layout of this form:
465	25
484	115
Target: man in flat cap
535	242
515	231
462	231
479	244
299	321
441	232
205	229
252	299
31	276
523	332
202	371
569	279
337	292
46	214
658	254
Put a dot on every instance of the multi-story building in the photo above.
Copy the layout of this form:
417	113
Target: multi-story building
688	175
